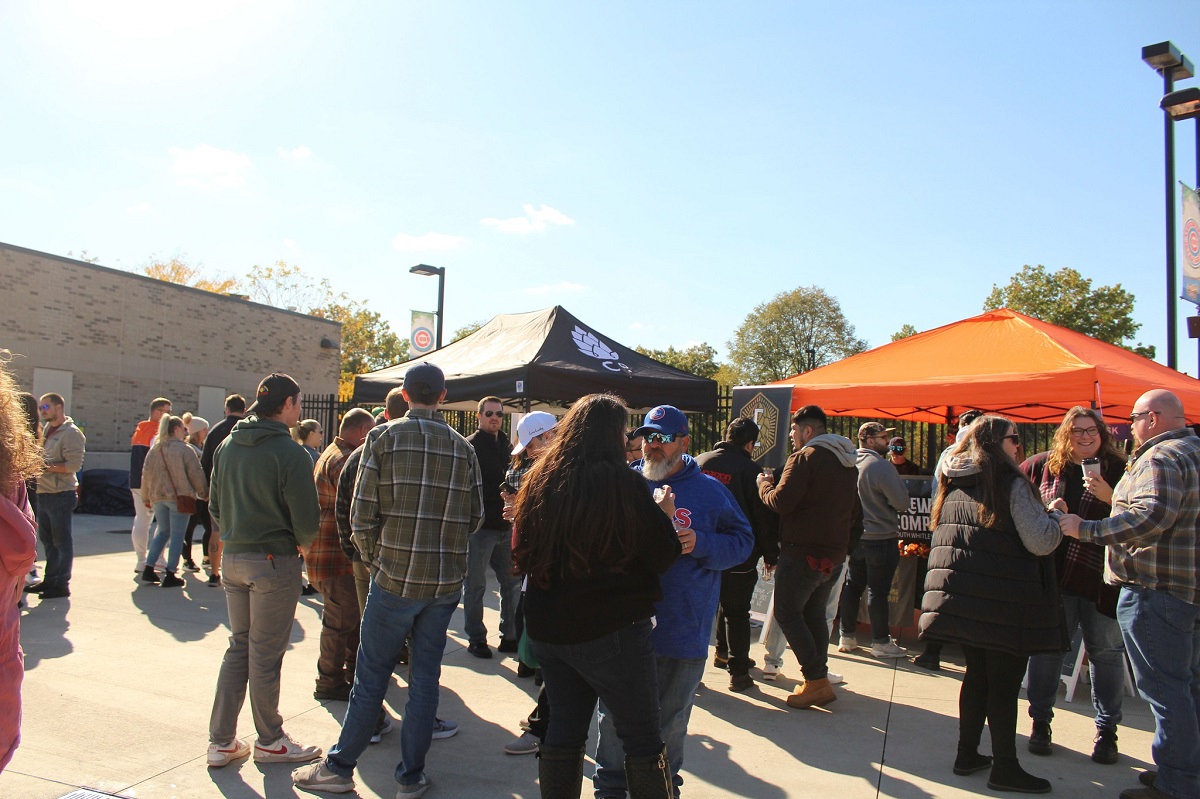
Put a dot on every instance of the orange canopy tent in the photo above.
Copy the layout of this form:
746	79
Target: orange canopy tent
1000	361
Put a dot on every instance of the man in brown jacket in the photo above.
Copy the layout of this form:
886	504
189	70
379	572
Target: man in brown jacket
817	500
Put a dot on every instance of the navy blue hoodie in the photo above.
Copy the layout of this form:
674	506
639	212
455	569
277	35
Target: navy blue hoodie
692	586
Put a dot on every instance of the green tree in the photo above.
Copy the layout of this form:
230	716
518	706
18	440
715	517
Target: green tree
698	359
179	271
368	342
796	331
904	332
1066	298
466	330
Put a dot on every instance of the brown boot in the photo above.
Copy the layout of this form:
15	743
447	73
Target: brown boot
812	692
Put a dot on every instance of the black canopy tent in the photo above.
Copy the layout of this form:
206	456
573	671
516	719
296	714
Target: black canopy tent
546	358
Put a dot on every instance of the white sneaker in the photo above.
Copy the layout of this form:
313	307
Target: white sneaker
771	673
525	744
888	650
220	755
318	778
444	729
284	750
387	727
835	679
848	643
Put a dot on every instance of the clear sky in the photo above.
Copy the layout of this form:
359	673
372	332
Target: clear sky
657	168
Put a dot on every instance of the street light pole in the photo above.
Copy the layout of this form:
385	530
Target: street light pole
1165	59
1179	106
426	270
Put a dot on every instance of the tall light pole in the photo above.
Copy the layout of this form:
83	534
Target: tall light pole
440	271
1165	59
1180	105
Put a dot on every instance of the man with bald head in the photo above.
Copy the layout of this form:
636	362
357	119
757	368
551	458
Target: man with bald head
1154	555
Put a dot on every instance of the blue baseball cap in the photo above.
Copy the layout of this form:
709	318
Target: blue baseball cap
664	419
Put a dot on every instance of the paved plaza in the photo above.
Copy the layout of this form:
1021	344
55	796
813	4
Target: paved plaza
119	685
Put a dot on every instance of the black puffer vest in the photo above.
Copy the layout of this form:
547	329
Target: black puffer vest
984	589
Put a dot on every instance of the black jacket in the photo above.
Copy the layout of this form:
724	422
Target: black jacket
737	471
216	434
494	453
984	589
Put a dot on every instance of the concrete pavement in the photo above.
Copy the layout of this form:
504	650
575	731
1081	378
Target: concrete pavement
119	684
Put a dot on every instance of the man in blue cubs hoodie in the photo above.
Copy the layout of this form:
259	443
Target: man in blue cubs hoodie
715	536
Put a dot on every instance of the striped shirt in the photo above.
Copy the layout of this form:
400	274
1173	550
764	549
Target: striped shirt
1153	530
417	497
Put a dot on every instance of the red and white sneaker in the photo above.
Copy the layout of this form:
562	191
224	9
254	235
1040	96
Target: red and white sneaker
223	754
284	750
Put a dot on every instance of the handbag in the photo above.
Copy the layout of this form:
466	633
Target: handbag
184	503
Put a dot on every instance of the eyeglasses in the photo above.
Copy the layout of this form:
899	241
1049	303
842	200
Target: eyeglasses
490	414
1085	432
45	406
662	438
1133	417
1014	438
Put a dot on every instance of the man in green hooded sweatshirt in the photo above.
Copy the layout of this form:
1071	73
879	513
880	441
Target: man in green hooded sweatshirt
264	502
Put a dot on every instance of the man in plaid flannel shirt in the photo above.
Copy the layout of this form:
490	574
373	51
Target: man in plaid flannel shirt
417	498
329	569
1153	555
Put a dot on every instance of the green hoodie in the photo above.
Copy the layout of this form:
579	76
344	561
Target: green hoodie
263	498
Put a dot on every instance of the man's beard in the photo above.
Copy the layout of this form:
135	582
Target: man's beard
662	468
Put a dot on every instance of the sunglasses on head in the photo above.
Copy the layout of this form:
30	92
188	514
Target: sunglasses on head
490	414
661	438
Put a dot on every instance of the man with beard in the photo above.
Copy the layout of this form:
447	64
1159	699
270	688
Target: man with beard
715	536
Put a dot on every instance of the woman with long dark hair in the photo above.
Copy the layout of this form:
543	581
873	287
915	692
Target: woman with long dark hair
1065	482
593	540
990	590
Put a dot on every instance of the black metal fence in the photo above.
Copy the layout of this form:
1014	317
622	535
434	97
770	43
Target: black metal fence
925	441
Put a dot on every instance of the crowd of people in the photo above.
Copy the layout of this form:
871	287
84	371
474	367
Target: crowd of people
616	552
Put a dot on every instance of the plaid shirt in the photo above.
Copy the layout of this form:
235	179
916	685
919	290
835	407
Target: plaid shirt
345	495
324	558
417	497
1152	534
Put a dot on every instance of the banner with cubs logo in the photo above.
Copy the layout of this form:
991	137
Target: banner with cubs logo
769	407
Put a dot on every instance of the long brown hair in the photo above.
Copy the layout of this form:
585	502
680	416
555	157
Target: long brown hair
575	512
20	453
984	445
1060	450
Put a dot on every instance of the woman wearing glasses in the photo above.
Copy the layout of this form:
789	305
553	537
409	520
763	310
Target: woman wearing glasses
989	590
593	541
1065	483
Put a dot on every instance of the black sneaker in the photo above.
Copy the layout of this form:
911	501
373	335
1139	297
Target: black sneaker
171	581
480	650
190	565
338	693
740	682
214	580
55	593
1040	737
35	588
1105	750
148	575
507	645
308	590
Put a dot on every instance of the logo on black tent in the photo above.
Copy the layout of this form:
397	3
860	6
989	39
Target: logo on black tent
593	347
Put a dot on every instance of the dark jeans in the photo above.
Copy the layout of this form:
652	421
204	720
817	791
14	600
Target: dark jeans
990	688
54	531
733	618
872	567
617	668
199	519
801	594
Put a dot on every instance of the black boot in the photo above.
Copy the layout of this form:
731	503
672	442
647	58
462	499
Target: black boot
560	772
1105	750
648	777
1007	775
1039	738
969	761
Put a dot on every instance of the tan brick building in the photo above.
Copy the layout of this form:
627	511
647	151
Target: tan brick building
110	341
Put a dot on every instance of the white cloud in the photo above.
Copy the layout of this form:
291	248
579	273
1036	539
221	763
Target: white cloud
564	287
289	244
535	219
208	167
428	242
638	326
300	153
141	209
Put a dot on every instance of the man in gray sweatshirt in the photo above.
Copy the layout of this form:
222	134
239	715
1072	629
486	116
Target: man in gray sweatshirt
873	562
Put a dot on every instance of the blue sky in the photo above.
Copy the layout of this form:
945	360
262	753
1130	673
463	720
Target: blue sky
659	169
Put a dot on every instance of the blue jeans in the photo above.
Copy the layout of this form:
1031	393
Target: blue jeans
1106	663
677	682
617	669
386	622
489	549
1162	636
801	594
872	567
171	525
54	531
